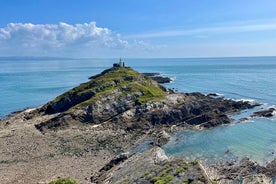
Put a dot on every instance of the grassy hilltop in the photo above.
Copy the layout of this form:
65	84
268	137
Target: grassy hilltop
125	80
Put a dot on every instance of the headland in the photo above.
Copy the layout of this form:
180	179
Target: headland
88	133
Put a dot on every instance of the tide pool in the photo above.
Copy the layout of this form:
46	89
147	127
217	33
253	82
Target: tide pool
255	139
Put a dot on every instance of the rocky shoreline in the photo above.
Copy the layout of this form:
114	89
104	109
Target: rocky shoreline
244	171
158	78
84	132
155	166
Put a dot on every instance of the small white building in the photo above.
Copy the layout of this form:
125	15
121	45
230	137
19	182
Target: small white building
120	64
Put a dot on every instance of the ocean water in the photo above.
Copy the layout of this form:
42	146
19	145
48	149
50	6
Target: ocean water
31	82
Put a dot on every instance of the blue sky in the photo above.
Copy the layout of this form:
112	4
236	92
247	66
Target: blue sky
137	28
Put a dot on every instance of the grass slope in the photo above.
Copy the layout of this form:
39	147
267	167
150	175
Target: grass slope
123	79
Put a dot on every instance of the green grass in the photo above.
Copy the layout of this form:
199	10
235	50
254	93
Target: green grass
180	170
151	93
145	174
64	181
160	180
116	78
155	179
163	177
167	179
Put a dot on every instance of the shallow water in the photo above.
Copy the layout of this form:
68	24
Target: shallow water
254	139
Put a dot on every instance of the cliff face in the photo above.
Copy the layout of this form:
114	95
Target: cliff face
131	100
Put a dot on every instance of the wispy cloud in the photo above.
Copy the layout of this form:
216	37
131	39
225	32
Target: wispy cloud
206	30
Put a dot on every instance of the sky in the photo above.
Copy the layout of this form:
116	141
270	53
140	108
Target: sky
137	28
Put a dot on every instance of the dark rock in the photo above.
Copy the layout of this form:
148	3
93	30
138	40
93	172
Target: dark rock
115	161
192	109
119	105
59	122
151	74
271	169
67	103
213	94
158	78
161	79
244	119
161	139
151	166
264	113
244	170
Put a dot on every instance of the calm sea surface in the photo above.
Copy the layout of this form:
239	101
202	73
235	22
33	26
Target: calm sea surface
32	82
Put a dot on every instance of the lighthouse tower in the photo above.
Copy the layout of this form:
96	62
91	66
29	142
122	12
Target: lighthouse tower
120	64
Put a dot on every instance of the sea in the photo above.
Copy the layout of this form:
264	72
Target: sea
27	82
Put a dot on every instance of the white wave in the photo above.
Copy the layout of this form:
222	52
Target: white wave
172	79
215	94
274	113
247	100
242	99
247	120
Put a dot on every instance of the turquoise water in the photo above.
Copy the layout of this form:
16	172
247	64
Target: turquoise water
255	139
31	82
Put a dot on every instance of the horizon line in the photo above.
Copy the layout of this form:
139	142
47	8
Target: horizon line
73	58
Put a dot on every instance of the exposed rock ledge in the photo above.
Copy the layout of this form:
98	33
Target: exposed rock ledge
245	171
264	113
152	166
158	78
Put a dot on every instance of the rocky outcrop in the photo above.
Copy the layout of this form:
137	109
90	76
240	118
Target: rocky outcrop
245	171
161	139
187	109
270	169
158	78
161	80
115	161
152	166
124	98
213	94
264	113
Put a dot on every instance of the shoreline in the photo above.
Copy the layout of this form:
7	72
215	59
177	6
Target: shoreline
84	129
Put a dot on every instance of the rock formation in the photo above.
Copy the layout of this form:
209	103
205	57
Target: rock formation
126	98
152	166
80	131
244	171
264	113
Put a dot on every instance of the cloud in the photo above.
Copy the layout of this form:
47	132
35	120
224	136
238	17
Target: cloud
36	39
207	30
90	40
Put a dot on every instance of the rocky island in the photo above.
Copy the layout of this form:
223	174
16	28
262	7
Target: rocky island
88	133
